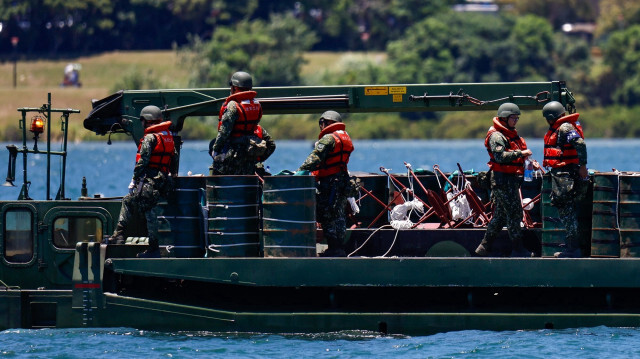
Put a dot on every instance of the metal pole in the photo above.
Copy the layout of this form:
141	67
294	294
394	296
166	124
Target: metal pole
65	123
49	147
24	193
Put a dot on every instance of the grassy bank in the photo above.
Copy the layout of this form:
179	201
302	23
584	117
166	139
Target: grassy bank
102	74
98	76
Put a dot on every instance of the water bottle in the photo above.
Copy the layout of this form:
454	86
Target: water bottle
528	170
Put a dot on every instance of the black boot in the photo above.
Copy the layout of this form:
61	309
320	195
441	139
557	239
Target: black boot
334	249
152	252
519	251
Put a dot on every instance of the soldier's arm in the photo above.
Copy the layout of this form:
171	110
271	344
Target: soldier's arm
499	146
323	147
571	136
271	144
148	143
228	120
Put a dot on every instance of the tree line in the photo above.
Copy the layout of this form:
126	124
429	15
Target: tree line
424	41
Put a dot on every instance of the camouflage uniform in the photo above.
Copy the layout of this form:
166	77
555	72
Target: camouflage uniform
567	188
270	148
505	195
143	200
331	195
240	153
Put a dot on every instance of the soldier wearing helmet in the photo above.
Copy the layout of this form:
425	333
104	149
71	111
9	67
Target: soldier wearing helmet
236	149
507	152
151	179
328	163
565	153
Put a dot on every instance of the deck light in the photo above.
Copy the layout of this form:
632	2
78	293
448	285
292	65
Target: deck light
37	127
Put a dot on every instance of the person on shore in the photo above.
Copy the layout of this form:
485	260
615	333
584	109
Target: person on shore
565	152
236	149
328	163
151	179
507	152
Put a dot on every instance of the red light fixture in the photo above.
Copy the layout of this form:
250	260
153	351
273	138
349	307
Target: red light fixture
37	125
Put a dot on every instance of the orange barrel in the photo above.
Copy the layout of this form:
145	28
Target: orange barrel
629	215
605	237
233	224
181	228
289	216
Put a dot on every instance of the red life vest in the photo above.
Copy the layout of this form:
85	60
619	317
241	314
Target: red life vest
337	160
250	113
561	155
515	143
162	153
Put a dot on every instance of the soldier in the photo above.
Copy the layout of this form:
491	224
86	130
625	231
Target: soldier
151	178
236	149
328	161
565	152
507	152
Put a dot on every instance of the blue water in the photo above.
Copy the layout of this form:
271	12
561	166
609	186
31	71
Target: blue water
108	168
108	171
599	342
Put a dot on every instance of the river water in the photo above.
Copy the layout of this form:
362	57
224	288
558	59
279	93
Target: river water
108	169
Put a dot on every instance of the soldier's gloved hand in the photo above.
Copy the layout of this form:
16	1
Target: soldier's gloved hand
219	157
301	173
132	185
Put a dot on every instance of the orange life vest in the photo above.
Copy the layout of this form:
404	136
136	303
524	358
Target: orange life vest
515	143
162	153
556	155
250	113
338	159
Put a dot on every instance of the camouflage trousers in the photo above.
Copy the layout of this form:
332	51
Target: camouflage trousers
144	203
567	190
507	210
331	202
568	213
235	162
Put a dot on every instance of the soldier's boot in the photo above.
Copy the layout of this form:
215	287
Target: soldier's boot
571	250
152	252
334	250
484	249
519	251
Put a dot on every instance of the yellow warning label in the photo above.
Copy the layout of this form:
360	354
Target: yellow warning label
397	98
397	90
376	91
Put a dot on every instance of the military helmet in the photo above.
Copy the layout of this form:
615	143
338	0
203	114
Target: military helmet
507	109
241	79
331	116
151	113
553	111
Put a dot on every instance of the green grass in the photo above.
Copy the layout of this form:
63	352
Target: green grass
99	76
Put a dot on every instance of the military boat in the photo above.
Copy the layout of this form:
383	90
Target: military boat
240	253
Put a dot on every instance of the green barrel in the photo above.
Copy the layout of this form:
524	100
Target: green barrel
373	203
233	225
553	231
605	237
289	216
629	215
181	229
